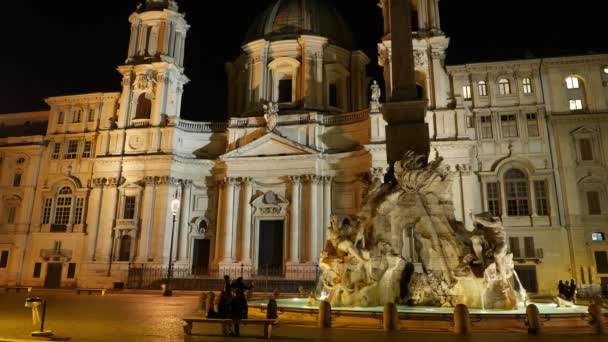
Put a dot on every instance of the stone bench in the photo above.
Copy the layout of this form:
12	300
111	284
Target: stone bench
91	291
267	323
18	288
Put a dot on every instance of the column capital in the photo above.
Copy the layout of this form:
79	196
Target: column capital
295	179
327	179
247	180
232	180
150	180
314	179
115	181
98	182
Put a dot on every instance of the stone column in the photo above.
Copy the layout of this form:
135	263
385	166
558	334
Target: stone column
311	71
228	220
184	222
237	238
294	220
327	205
95	216
313	221
219	222
147	220
108	217
246	220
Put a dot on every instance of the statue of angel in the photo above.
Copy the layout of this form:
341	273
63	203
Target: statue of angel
271	115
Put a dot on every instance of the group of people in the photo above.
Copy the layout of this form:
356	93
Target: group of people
568	290
232	302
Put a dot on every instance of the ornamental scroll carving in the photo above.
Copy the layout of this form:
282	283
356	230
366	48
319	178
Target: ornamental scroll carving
270	204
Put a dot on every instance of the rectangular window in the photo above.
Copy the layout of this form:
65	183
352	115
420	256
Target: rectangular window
482	88
71	270
466	92
593	203
77	116
72	149
46	211
576	104
601	262
62	211
493	199
86	151
17	179
129	209
78	210
508	124
37	269
532	125
529	250
586	149
10	215
514	246
486	127
60	117
91	117
542	200
527	85
285	91
56	151
333	95
4	259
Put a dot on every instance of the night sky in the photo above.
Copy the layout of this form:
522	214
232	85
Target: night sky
52	48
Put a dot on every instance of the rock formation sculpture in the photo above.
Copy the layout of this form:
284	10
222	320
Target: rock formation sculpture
405	246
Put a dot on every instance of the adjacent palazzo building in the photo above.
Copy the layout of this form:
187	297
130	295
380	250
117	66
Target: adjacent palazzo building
86	186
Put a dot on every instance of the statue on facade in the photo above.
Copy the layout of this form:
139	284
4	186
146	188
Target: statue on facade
271	115
376	92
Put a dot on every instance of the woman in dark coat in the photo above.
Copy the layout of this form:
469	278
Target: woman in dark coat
238	307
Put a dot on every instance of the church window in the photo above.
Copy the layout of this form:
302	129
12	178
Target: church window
486	127
60	117
516	191
46	211
586	149
72	149
125	248
78	208
333	95
466	92
86	151
4	259
482	88
532	122
63	207
285	90
129	208
504	86
508	124
542	199
77	116
572	82
575	104
527	85
91	116
493	194
144	107
56	151
593	203
17	179
598	237
10	215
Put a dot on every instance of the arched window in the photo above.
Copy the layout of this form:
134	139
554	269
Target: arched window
125	248
516	193
62	210
63	207
504	86
144	107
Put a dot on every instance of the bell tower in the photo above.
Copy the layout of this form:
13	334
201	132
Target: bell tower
153	74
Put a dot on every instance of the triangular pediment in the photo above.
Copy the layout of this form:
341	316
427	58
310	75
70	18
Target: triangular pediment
269	145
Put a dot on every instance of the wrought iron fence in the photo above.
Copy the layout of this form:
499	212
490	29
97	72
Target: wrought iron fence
184	277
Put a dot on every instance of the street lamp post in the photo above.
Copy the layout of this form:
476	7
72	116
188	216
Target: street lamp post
169	288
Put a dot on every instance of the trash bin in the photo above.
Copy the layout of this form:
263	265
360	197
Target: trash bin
34	303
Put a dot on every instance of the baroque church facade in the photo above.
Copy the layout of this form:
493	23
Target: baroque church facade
86	186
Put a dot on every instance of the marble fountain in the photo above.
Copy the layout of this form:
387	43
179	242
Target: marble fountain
406	247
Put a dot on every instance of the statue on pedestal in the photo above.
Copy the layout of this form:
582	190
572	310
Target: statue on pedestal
271	115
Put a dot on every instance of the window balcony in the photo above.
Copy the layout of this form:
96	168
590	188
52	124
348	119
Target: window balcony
535	255
62	255
140	122
58	228
126	223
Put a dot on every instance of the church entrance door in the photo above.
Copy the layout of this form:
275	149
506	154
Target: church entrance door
270	255
53	276
200	256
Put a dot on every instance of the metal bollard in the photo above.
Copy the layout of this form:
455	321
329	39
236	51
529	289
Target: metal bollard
533	319
597	318
34	303
390	317
324	314
462	320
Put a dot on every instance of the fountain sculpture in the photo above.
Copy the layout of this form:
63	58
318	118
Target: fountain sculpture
405	246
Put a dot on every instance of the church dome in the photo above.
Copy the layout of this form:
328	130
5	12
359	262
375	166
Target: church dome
285	19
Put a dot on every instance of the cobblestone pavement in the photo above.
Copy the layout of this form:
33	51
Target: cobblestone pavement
135	317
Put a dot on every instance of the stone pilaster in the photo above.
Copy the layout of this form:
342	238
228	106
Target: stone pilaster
147	220
229	220
95	204
108	219
294	220
246	227
314	219
327	206
184	219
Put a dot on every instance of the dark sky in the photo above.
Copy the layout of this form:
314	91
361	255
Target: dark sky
52	48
